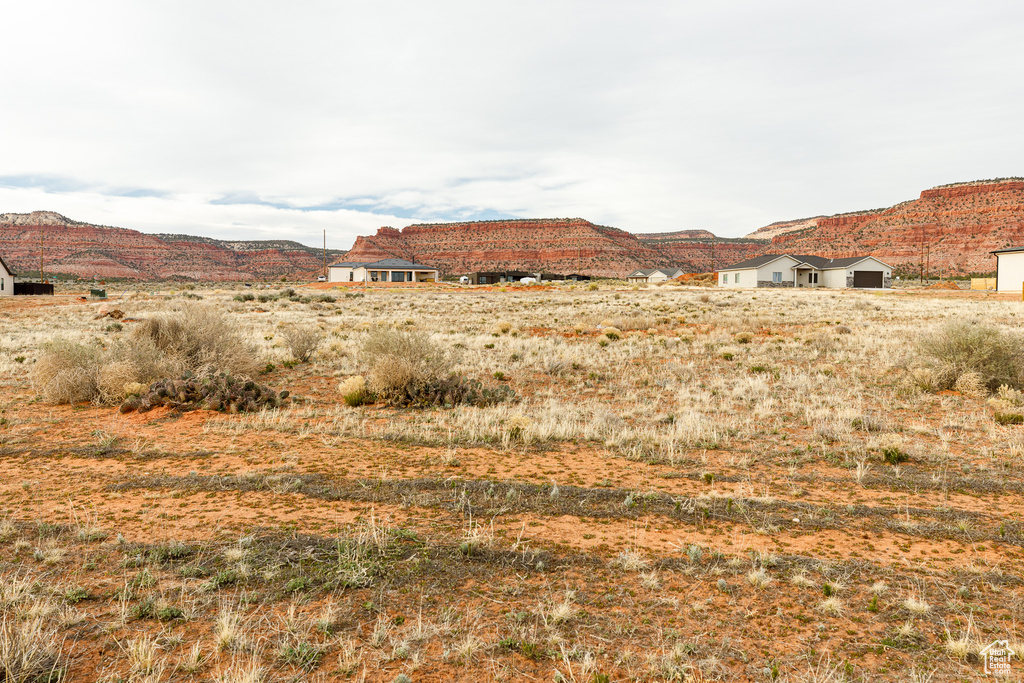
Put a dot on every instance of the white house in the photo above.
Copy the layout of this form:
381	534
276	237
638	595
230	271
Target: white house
1010	269
385	270
795	270
6	279
654	274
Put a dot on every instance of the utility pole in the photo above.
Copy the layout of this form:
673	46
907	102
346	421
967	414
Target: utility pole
325	253
713	253
41	253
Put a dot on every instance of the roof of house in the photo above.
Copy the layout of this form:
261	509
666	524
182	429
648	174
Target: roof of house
6	267
1008	250
383	264
647	272
817	262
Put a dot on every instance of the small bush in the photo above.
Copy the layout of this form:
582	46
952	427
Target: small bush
744	338
1009	418
353	391
401	359
959	348
303	341
199	339
67	372
612	333
407	368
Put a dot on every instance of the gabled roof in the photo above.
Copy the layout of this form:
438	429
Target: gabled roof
647	272
1008	250
383	264
817	262
757	261
6	267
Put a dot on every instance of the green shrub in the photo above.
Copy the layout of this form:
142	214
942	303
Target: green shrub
961	348
353	391
1009	418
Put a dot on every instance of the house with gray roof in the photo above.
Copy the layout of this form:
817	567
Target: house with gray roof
654	274
798	270
384	270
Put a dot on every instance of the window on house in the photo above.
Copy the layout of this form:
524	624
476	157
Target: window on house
736	278
373	276
725	278
812	278
398	277
777	276
351	275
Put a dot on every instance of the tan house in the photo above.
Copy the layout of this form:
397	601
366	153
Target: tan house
6	279
795	270
1010	269
385	270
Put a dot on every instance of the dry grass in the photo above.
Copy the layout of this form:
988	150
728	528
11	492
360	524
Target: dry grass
643	489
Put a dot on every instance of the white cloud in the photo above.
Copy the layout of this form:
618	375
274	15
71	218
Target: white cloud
648	116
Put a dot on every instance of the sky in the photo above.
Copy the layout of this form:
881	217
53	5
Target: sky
279	120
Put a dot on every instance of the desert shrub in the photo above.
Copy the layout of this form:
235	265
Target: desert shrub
407	368
353	391
1009	418
67	372
612	333
199	339
400	358
303	341
744	338
959	348
221	392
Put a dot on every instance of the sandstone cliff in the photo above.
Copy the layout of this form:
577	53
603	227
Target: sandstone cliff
955	226
560	245
92	251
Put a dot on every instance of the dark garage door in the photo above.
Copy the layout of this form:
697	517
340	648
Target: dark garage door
867	278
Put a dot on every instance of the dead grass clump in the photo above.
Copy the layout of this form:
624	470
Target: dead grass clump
199	339
989	356
67	372
28	651
303	341
399	358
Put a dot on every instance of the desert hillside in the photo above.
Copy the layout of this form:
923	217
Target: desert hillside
958	225
76	248
564	245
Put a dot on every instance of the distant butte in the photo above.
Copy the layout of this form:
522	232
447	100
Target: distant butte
959	224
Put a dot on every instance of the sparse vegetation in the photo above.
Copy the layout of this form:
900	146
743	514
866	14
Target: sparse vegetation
645	510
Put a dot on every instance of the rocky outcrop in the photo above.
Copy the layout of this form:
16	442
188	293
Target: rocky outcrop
952	228
560	245
91	251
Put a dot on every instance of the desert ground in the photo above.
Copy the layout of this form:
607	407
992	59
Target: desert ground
683	484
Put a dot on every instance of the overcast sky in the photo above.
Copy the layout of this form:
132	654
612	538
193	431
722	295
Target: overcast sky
278	120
